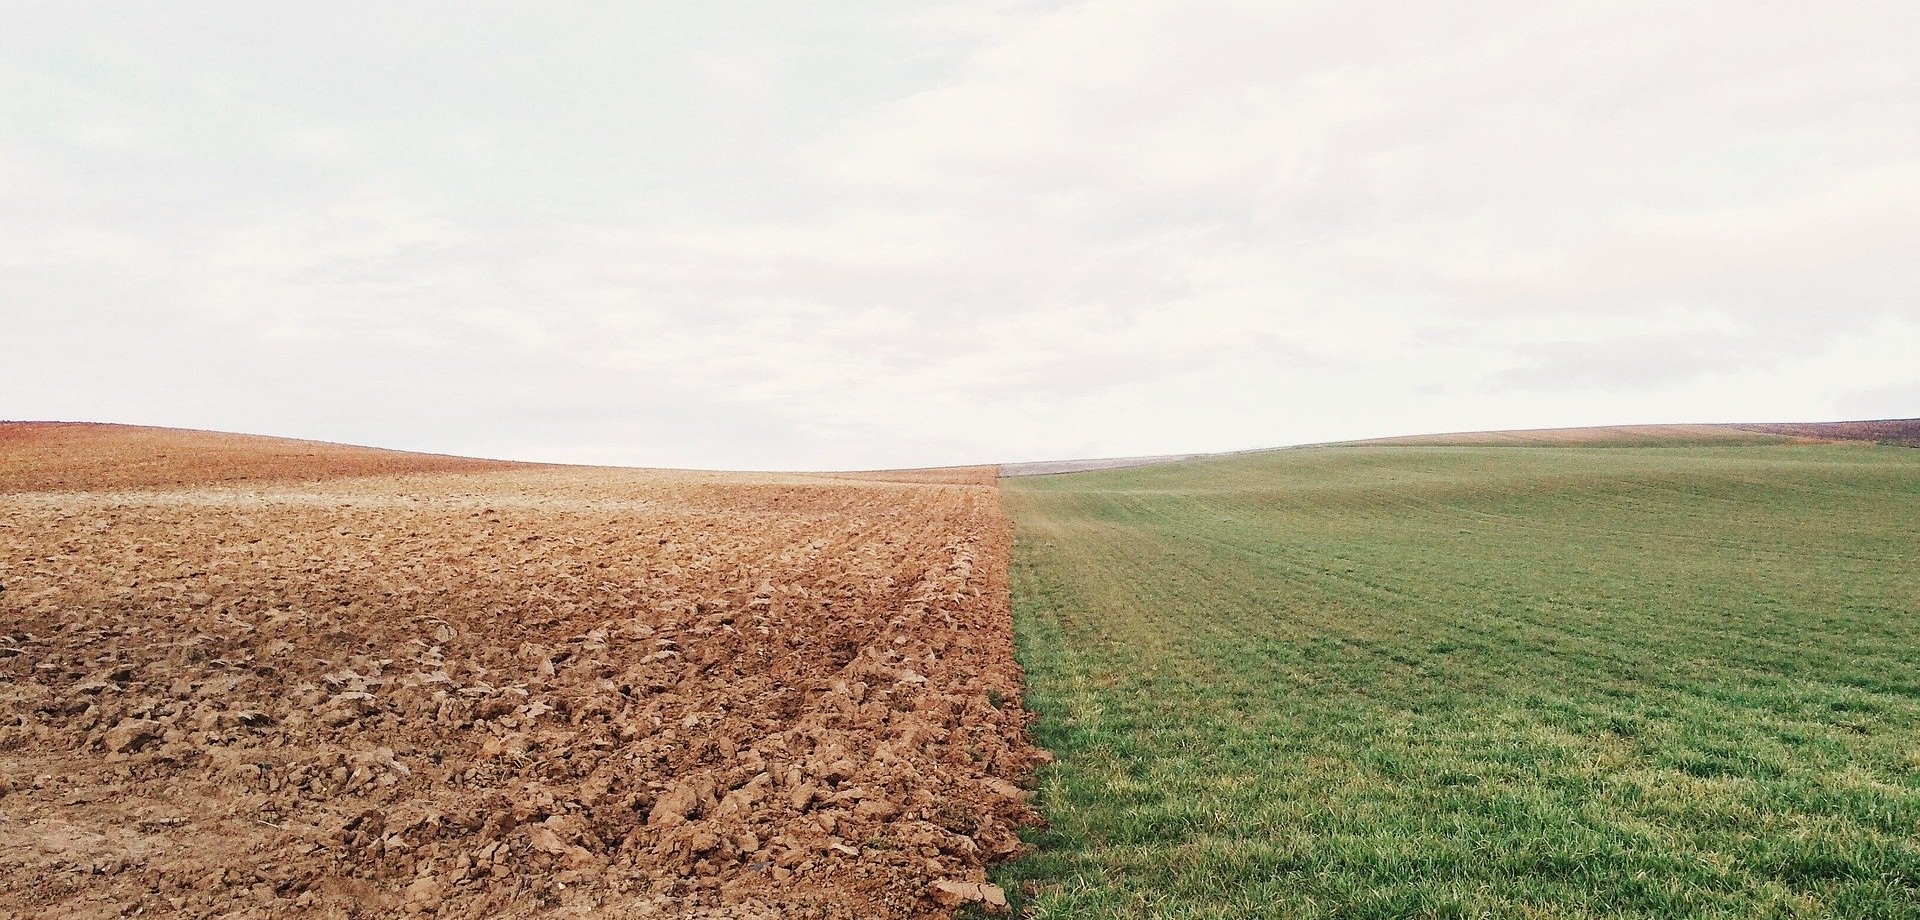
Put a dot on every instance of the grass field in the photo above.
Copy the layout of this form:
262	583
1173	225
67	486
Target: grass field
1678	681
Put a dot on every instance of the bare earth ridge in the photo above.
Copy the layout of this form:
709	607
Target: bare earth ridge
1897	432
262	678
88	456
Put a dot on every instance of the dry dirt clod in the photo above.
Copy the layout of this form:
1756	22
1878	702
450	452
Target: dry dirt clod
132	735
676	806
948	893
264	678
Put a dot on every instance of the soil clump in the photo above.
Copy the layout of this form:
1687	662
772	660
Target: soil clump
242	686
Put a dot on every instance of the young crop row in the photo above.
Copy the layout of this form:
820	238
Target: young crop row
1477	681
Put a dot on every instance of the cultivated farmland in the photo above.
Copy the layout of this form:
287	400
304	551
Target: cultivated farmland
251	677
1655	678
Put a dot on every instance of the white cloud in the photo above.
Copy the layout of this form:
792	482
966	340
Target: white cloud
874	236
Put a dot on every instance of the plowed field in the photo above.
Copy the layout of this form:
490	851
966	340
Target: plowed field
265	678
1900	432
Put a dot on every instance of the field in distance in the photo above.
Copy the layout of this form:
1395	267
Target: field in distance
1461	681
1901	432
257	677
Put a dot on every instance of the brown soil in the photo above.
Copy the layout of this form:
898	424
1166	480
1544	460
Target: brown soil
80	456
315	682
1899	432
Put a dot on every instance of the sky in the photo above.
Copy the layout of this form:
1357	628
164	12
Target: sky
854	235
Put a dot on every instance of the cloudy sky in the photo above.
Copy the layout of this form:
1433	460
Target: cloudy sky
863	234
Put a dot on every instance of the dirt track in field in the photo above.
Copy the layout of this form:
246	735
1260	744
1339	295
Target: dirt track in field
269	678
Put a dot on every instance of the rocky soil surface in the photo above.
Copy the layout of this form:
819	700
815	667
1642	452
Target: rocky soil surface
264	683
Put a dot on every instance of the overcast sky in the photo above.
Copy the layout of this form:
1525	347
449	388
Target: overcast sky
860	234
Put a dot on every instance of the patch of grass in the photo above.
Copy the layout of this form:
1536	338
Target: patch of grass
1476	681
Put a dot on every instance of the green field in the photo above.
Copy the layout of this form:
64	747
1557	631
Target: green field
1675	681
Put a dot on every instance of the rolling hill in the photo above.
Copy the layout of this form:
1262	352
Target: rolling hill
1624	673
